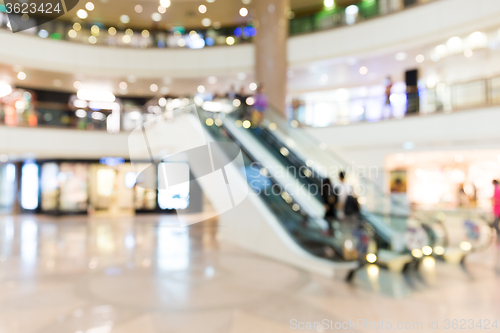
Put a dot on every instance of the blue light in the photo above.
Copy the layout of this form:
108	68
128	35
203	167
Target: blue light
249	32
209	41
238	31
43	33
112	161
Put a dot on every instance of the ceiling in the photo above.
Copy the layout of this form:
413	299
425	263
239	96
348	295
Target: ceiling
180	13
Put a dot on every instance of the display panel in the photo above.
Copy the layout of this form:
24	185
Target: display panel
29	186
50	186
73	186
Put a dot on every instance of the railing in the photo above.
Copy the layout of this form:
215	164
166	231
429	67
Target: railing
441	98
99	34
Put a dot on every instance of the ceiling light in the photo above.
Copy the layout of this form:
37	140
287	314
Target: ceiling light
129	32
82	14
90	6
329	3
201	89
95	30
72	33
21	76
81	113
124	19
5	89
95	95
97	115
77	26
165	3
162	9
206	22
126	39
123	85
112	31
77	85
246	2
212	80
145	33
253	86
363	70
156	17
420	58
210	1
243	11
217	25
153	87
202	9
138	9
92	40
400	56
230	40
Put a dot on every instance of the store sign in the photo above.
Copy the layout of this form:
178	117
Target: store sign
28	14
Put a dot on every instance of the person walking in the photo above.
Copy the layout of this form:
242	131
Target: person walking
496	208
259	106
344	192
329	201
495	203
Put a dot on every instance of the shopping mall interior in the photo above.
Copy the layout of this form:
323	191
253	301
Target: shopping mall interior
249	166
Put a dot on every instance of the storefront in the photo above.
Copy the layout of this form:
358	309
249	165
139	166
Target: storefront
105	187
8	187
444	180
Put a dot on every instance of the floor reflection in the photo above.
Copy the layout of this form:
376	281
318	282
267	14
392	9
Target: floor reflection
147	274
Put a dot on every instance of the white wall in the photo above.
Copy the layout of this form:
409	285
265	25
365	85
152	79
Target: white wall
368	144
61	143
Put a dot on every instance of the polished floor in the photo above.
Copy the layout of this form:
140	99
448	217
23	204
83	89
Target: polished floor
145	274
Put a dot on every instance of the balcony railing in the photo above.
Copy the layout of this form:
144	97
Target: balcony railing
442	97
178	37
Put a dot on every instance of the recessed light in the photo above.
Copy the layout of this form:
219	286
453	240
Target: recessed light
124	19
420	58
165	3
202	9
243	12
156	17
90	6
82	14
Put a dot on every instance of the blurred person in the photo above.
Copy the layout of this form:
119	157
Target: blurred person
495	202
241	96
496	208
259	107
231	94
343	191
388	89
462	197
329	201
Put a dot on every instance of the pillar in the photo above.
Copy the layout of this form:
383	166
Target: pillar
271	50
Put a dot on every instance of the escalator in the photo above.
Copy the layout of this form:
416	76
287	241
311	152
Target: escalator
402	230
385	221
300	217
